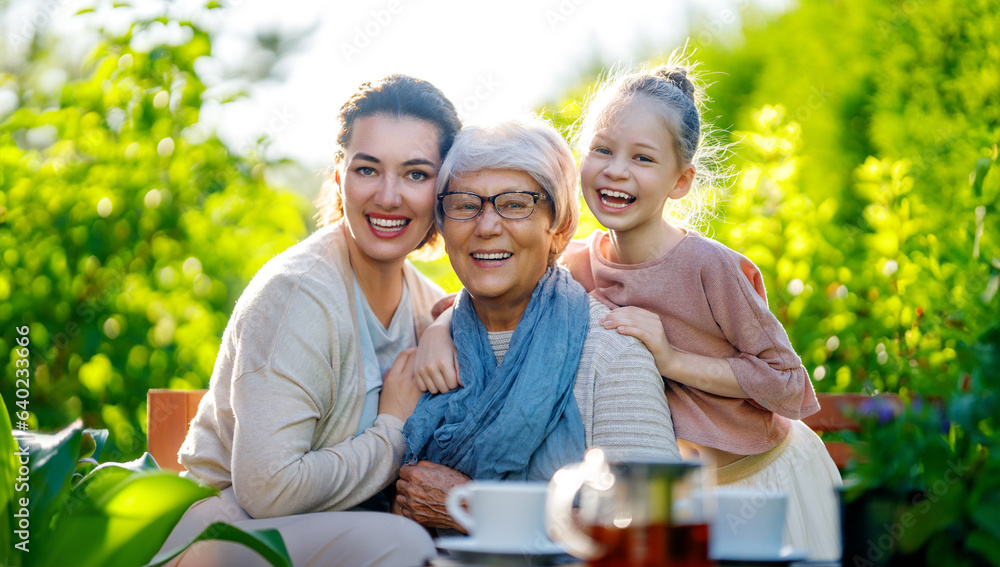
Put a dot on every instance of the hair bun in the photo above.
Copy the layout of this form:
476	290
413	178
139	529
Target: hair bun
679	77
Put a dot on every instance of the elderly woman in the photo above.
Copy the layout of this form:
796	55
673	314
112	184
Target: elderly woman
542	379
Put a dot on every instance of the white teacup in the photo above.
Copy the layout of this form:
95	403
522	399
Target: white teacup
748	524
502	515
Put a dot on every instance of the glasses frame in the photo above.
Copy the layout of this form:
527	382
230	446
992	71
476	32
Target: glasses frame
493	201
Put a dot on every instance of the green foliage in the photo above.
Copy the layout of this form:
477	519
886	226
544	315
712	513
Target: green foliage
127	232
866	184
267	543
881	305
114	514
941	460
890	106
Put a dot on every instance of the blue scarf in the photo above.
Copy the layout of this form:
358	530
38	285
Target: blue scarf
518	420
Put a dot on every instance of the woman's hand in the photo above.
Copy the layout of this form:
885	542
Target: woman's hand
399	388
647	327
422	490
436	365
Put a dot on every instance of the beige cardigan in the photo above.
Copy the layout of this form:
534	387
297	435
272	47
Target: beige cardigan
285	398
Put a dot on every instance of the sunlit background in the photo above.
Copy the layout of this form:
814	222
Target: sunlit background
154	155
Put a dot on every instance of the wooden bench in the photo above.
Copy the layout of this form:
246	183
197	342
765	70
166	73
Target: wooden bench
835	415
169	414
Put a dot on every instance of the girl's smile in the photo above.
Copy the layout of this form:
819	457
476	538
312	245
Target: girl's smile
631	170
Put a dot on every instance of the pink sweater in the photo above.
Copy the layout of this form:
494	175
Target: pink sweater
712	303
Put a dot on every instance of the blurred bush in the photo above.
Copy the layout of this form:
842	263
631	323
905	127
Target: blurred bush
866	189
127	231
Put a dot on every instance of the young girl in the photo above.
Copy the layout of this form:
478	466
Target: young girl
735	386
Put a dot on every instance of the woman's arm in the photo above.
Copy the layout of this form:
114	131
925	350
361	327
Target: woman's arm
293	444
436	364
624	400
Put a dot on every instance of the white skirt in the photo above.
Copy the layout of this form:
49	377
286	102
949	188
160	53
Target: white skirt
801	468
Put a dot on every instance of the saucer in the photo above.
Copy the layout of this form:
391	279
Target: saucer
784	556
468	549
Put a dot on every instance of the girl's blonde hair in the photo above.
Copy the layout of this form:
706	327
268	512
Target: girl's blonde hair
678	94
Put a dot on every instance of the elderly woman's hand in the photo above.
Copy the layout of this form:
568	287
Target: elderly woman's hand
422	490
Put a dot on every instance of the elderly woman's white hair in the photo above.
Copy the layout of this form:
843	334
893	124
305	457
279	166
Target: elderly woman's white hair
529	145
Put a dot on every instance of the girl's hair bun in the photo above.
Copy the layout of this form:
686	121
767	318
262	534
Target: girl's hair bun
679	77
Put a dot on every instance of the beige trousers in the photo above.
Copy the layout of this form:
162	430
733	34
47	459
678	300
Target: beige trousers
321	539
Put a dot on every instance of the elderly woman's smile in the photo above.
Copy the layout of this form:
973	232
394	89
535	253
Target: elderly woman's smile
499	260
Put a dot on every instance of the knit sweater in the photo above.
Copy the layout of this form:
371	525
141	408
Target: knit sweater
286	394
711	301
619	393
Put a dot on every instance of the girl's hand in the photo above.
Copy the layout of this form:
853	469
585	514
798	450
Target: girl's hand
713	375
647	327
400	393
436	363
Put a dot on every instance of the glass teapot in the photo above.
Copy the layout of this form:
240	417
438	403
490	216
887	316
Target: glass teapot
632	514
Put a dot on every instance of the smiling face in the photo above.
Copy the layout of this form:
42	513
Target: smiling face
387	180
632	168
499	261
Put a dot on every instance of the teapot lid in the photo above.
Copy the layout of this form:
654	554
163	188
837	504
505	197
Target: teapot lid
667	469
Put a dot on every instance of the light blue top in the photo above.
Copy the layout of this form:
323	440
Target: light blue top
380	347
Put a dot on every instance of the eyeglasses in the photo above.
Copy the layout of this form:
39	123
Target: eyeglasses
512	205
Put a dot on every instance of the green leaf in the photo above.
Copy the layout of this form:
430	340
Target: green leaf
267	543
143	463
925	522
98	438
979	175
8	472
986	545
98	481
53	460
986	512
84	11
119	517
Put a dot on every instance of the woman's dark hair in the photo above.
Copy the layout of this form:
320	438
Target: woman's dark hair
395	96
